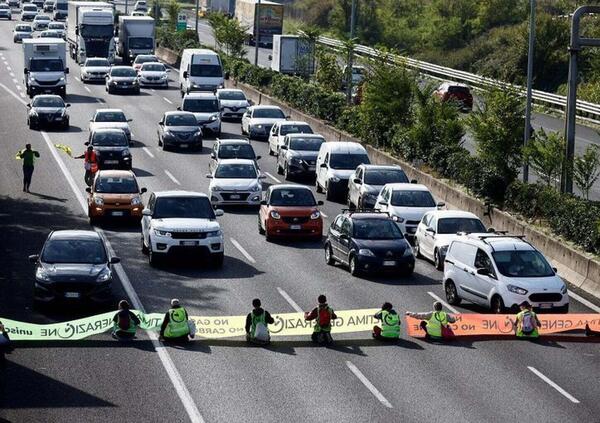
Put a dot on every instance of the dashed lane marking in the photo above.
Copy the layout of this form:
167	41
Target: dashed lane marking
148	152
585	302
368	384
448	306
167	100
324	215
15	80
243	251
272	177
11	74
87	89
291	302
78	80
170	175
554	385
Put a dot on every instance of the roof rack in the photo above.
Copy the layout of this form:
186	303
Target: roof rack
357	210
500	234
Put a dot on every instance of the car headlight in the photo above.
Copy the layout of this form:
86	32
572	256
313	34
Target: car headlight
296	160
563	290
62	78
125	152
136	201
198	133
334	179
213	234
275	215
315	215
99	201
258	126
407	252
366	252
163	77
216	188
162	233
167	133
31	79
213	118
42	274
104	276
516	289
255	188
195	85
398	219
33	113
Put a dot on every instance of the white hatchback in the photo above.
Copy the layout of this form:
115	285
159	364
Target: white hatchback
235	182
283	128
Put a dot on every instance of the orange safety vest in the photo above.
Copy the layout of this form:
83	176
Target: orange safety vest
90	161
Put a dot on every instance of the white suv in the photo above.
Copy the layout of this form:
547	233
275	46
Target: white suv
235	182
500	271
180	222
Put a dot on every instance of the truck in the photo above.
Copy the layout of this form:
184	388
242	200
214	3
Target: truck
45	66
293	55
60	10
136	36
226	7
90	30
270	19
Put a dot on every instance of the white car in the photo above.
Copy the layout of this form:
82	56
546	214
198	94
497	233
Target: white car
48	6
5	11
94	69
154	75
178	222
14	3
205	107
258	121
137	13
283	128
439	228
21	32
59	27
111	119
40	22
29	12
335	163
140	6
406	204
233	103
499	272
365	184
235	182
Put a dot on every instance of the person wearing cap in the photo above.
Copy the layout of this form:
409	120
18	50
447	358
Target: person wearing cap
125	322
175	326
257	320
322	315
527	323
390	324
433	321
5	344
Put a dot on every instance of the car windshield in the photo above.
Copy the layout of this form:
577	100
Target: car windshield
116	185
56	26
522	264
30	8
48	102
23	28
145	59
376	229
236	171
412	199
141	43
231	95
110	117
209	71
46	65
347	161
385	176
4	6
268	114
97	62
181	120
295	129
154	67
42	18
452	225
88	251
306	144
292	197
183	207
458	90
109	139
236	151
123	72
201	105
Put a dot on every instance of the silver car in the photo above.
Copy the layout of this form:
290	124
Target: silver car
58	27
29	12
110	119
154	75
94	69
233	103
5	11
21	32
122	78
40	22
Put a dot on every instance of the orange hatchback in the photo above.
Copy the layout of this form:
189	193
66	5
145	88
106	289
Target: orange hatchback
290	211
115	193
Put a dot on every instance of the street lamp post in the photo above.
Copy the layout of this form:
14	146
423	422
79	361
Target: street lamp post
351	54
527	130
256	32
197	10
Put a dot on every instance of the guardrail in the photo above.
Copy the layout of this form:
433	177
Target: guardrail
587	110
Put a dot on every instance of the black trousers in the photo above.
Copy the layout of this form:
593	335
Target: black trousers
27	174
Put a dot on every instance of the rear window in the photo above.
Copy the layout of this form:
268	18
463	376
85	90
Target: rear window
295	129
453	89
116	185
385	176
412	199
236	151
292	197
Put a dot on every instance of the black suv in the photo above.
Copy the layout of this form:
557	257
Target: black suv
112	148
298	155
368	241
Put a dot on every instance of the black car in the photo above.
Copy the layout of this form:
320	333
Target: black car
298	155
179	129
122	78
368	242
47	110
112	148
73	266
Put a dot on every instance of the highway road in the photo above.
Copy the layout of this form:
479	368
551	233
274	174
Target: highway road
356	380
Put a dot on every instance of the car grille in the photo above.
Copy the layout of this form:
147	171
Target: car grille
188	235
413	222
295	220
387	254
243	196
97	73
152	78
49	117
47	82
545	297
72	287
183	135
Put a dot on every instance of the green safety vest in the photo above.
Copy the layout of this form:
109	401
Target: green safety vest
520	334
318	327
390	324
434	325
178	325
256	320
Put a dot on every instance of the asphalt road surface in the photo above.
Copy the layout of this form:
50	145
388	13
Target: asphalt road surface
356	380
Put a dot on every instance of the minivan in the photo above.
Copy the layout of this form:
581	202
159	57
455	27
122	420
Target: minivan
200	70
336	161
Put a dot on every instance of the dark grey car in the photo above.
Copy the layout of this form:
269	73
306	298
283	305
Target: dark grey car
47	110
122	78
298	155
179	129
112	148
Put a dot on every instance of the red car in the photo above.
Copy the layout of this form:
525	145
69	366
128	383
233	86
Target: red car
290	211
460	93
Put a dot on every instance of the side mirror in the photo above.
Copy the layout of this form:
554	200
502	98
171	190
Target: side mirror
68	105
263	203
483	272
115	260
430	230
413	181
179	108
86	143
129	120
209	176
213	156
143	190
323	165
185	75
29	105
357	181
226	76
491	230
66	70
88	190
320	203
288	116
441	204
258	157
146	212
34	258
160	123
270	57
219	212
555	270
25	71
283	147
251	102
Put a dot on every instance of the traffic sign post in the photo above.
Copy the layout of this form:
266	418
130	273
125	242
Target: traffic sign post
181	22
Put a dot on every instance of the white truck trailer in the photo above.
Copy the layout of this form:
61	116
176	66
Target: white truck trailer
293	55
45	66
136	36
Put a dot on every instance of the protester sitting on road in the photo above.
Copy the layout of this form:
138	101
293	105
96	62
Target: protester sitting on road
322	315
5	344
125	322
527	323
390	324
175	327
257	320
433	322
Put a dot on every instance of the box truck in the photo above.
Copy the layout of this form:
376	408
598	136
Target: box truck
45	66
224	6
60	10
90	30
136	36
293	55
270	19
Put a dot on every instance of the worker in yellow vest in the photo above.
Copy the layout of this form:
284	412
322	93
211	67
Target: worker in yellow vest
390	324
434	322
175	327
527	323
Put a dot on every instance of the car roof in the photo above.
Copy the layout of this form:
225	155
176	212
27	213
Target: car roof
440	214
261	107
233	141
114	173
345	146
493	242
179	193
143	56
116	130
110	111
406	186
229	89
236	161
74	234
376	167
121	67
292	122
301	135
47	96
202	95
96	58
288	186
372	216
178	112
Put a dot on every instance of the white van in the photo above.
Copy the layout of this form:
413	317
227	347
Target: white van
200	70
335	163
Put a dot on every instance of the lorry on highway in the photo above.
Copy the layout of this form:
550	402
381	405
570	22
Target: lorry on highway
224	6
293	55
269	17
45	66
60	10
91	30
136	36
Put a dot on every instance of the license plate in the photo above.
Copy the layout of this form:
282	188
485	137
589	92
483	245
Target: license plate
58	119
111	162
183	145
546	305
117	213
234	197
295	227
389	263
188	243
72	294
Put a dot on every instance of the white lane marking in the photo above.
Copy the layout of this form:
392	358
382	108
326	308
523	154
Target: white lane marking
18	87
78	80
272	177
167	100
11	74
241	249
368	384
9	68
152	89
99	100
14	94
554	385
293	303
585	302
87	89
448	306
170	175
323	214
148	152
15	80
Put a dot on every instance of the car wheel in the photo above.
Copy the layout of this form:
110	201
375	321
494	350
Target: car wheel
268	236
349	202
329	194
217	260
353	265
137	92
260	228
271	153
164	146
417	249
498	305
279	168
144	248
437	260
31	125
159	142
329	259
317	186
152	258
451	293
286	173
66	125
93	221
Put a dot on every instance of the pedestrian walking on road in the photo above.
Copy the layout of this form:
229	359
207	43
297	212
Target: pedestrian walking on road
175	327
5	345
257	320
28	156
435	323
125	322
527	323
390	324
90	163
322	315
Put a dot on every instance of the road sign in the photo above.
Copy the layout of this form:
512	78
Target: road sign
181	22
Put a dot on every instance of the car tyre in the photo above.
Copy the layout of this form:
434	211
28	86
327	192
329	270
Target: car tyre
497	304
279	168
451	293
418	249
317	186
217	260
349	202
328	194
329	259
437	259
164	146
260	227
353	265
152	258
286	173
144	248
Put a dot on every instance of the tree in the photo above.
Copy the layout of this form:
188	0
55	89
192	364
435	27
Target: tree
229	34
545	154
586	170
173	9
329	74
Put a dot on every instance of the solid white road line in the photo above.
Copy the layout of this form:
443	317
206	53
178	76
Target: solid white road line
554	385
8	68
293	303
585	302
448	306
87	89
167	100
15	80
77	78
242	250
170	175
12	74
14	94
368	384
148	152
272	177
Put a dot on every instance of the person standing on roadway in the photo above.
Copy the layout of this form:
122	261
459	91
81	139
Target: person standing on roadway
322	315
257	320
433	322
90	163
28	156
175	326
527	323
390	324
5	344
125	322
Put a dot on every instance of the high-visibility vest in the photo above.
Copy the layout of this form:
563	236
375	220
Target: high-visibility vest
261	318
520	333
178	325
390	324
318	327
434	325
90	161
